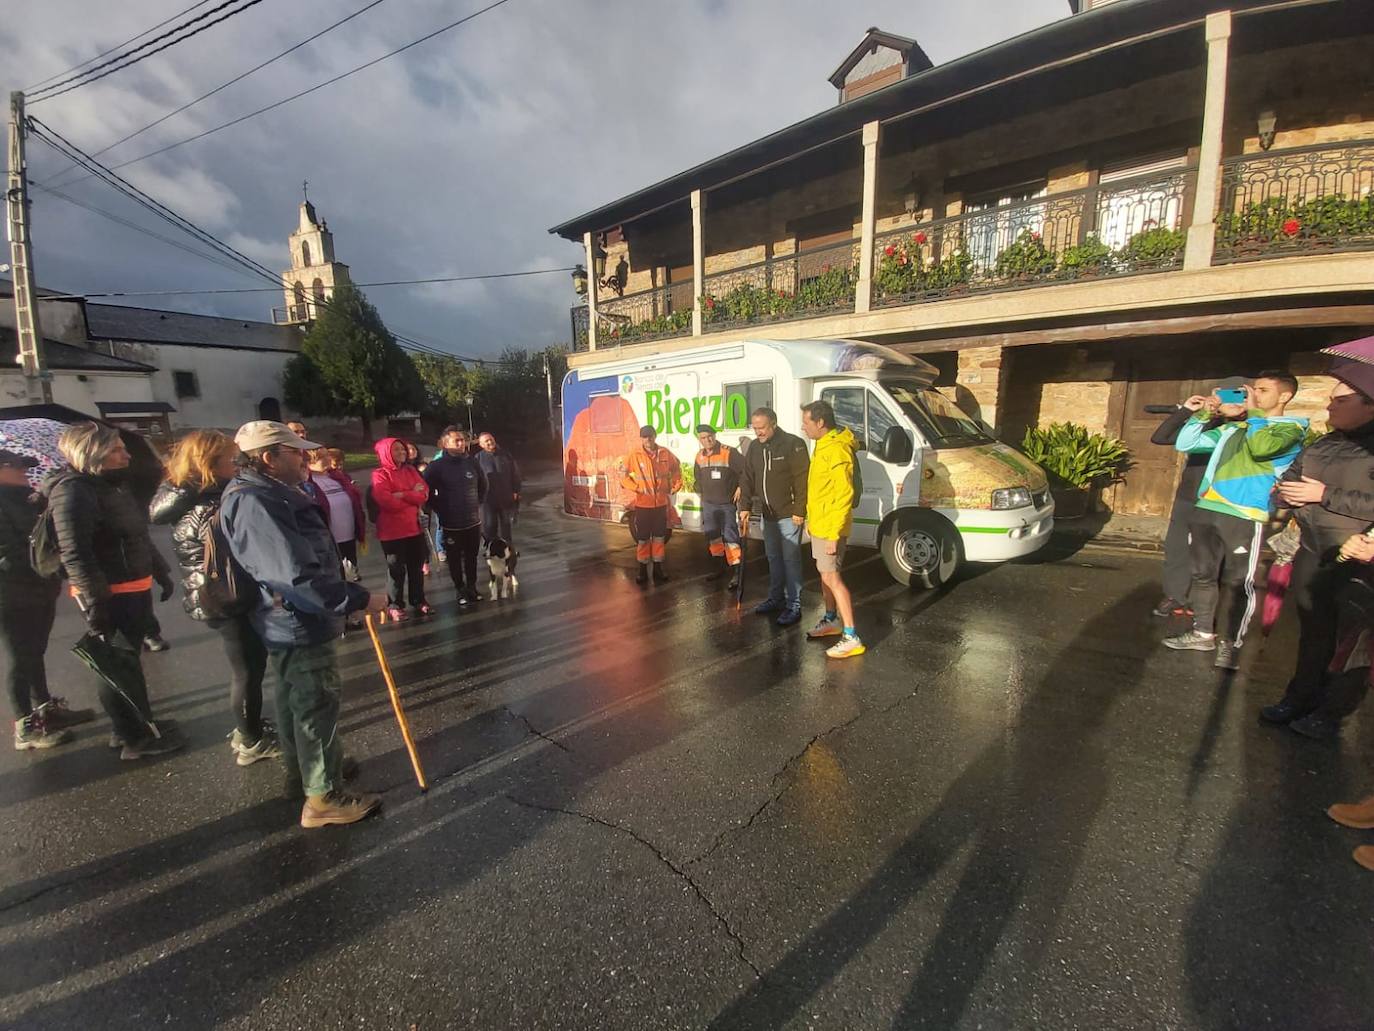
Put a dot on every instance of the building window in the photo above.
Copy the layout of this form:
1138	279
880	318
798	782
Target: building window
317	288
740	400
185	383
1122	213
1008	215
305	253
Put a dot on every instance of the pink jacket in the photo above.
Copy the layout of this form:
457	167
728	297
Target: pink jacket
398	517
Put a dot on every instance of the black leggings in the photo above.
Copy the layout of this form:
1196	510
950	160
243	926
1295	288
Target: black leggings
24	631
405	560
247	657
461	547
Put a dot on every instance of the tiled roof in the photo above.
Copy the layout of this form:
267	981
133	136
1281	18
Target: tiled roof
151	326
67	358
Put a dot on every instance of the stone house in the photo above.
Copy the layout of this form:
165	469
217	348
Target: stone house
1111	211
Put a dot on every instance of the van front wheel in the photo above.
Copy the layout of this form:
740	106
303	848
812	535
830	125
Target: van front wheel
921	549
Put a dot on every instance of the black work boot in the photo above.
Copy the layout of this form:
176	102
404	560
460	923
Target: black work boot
660	577
643	576
733	585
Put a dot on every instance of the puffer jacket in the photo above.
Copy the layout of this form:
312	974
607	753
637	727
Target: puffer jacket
20	586
188	510
397	517
830	486
102	533
458	487
1344	461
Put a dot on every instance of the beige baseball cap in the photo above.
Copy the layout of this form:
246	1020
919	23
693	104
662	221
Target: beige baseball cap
263	433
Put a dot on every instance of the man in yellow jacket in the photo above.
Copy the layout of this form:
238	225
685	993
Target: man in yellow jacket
830	501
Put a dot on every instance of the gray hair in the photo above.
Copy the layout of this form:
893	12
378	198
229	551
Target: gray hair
85	444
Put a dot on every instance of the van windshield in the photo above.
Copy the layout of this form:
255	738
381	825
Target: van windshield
938	418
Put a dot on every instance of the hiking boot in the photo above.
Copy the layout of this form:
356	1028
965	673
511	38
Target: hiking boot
828	626
58	715
660	577
397	614
733	585
1281	713
642	577
1228	656
789	617
1167	607
1364	855
1359	815
338	808
767	608
1318	728
1192	641
155	643
152	745
32	732
264	748
846	648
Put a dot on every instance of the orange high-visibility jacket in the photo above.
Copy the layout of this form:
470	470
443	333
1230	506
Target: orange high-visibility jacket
649	479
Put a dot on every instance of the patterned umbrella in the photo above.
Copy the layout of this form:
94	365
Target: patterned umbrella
1353	363
36	438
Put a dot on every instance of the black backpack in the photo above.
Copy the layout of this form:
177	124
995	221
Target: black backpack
227	591
44	557
374	512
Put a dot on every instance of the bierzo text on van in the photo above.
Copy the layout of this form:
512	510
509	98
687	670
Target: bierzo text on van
937	490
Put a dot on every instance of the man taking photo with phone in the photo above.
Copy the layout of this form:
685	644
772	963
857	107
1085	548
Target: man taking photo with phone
1250	446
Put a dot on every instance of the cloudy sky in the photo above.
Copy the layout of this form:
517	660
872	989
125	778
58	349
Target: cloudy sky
451	159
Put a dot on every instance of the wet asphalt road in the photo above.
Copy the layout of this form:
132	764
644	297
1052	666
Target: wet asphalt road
649	810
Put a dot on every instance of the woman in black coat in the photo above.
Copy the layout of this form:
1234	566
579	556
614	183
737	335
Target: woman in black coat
102	538
201	465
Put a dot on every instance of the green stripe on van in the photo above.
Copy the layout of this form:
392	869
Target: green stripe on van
984	529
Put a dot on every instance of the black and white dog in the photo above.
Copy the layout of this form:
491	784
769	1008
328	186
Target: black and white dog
501	559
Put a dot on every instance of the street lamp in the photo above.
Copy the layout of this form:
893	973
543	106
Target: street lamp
468	401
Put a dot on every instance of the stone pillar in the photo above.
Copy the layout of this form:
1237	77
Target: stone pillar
698	260
978	386
1202	232
591	292
863	290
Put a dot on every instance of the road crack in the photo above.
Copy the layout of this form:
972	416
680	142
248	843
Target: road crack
520	717
663	858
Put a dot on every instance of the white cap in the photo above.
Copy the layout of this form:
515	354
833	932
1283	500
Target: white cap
263	433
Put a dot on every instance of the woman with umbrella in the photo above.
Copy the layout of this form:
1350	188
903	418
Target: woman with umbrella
102	538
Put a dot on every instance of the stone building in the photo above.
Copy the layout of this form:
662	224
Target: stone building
314	273
1111	211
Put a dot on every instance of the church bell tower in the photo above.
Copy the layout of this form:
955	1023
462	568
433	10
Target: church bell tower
314	273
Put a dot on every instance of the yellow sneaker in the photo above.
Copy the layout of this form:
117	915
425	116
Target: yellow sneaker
847	648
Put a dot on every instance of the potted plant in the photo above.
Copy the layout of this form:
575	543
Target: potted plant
1026	258
1079	464
1155	247
1090	258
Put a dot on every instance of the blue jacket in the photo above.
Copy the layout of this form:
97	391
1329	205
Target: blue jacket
503	478
1247	458
457	488
280	538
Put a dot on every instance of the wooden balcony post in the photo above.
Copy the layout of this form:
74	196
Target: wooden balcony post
591	293
1202	232
863	290
698	261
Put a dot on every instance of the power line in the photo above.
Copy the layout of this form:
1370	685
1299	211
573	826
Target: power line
312	89
231	82
87	77
117	46
389	282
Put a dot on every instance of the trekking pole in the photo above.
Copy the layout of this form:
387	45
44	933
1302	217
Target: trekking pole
396	703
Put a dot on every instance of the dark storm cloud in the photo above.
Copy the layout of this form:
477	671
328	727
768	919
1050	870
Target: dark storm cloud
452	159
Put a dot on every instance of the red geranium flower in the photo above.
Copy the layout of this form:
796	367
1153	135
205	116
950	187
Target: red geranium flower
889	250
920	239
710	302
1291	227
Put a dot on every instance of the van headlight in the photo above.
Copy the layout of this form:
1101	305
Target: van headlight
1010	497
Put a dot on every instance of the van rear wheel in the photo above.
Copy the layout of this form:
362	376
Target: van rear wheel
921	549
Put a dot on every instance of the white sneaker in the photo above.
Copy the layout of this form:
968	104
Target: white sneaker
846	648
828	626
1192	641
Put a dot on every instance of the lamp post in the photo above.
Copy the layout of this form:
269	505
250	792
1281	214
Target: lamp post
468	401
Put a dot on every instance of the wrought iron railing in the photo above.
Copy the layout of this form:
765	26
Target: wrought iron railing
1129	226
801	285
302	312
1299	200
579	318
655	314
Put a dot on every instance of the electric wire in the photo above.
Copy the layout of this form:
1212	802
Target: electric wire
476	277
87	77
118	46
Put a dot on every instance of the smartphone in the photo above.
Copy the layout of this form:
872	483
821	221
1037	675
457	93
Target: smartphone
1231	397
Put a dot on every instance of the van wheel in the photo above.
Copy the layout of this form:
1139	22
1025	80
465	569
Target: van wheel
921	549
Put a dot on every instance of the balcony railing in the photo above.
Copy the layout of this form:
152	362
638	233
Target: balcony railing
1301	200
657	314
303	312
1115	229
579	317
801	285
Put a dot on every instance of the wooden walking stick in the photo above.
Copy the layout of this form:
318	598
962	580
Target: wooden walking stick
396	703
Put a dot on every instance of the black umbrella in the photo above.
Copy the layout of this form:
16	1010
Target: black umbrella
116	661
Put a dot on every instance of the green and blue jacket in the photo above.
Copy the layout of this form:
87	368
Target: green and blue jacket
1248	457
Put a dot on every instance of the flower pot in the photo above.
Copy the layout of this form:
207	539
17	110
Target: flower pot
1071	502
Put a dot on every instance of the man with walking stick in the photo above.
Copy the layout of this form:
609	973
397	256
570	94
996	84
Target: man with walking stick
278	535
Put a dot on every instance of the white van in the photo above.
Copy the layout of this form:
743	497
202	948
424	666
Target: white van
937	490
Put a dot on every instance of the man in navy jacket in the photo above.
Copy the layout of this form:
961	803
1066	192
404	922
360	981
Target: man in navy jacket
278	535
457	488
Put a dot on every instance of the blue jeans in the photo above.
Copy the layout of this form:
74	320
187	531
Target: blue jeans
782	545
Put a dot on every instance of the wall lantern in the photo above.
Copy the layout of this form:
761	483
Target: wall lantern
1267	122
579	278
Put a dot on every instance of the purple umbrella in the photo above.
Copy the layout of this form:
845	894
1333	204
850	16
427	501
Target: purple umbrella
1353	363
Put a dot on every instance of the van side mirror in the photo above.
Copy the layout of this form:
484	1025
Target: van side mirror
897	447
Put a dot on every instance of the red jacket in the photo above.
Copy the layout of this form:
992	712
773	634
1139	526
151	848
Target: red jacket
397	517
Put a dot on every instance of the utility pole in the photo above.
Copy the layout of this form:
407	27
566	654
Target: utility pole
36	377
548	386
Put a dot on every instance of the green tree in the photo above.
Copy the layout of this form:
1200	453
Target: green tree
350	365
511	393
446	383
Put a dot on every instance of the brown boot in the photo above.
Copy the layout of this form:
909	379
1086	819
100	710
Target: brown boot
337	808
1364	855
1359	815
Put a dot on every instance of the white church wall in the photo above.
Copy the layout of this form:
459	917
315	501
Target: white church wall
230	383
82	390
